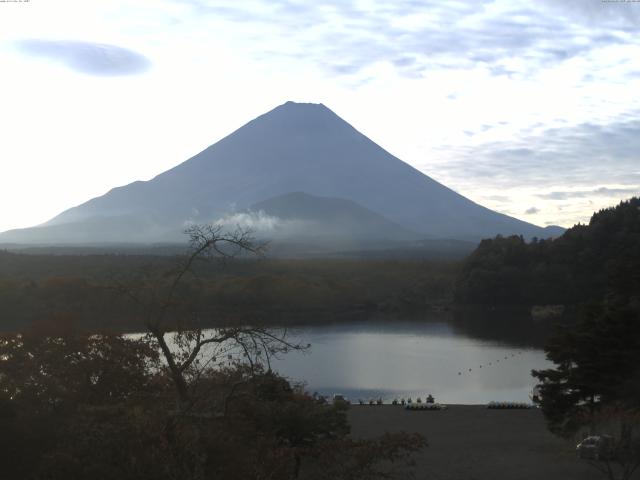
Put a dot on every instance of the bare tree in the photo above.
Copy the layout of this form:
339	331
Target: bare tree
188	348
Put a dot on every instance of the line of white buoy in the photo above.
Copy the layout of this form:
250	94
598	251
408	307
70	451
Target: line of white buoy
507	357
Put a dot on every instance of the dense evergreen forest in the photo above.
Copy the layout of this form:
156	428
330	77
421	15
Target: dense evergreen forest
580	266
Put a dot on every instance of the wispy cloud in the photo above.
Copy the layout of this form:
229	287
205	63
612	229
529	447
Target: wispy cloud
598	192
497	198
254	221
262	224
416	37
86	57
567	171
580	155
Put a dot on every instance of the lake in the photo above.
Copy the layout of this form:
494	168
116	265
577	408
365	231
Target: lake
394	359
410	359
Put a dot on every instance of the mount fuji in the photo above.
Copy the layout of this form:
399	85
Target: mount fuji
297	165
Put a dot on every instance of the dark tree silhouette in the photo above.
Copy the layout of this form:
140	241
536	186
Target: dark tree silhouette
577	267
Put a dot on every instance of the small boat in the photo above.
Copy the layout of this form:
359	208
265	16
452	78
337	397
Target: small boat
340	398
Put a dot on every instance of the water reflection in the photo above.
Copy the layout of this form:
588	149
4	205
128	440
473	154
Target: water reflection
410	359
512	326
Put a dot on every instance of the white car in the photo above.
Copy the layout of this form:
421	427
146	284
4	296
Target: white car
596	447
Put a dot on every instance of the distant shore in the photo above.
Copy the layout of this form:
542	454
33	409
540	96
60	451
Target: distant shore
471	442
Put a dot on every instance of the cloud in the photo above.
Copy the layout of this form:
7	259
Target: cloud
584	155
532	211
86	57
265	225
568	172
597	12
498	198
254	221
416	37
598	192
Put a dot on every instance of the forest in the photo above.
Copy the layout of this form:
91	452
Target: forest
581	265
252	288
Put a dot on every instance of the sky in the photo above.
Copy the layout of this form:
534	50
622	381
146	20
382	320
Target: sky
529	108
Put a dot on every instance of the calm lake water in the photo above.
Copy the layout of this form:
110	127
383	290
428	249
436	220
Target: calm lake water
410	359
395	359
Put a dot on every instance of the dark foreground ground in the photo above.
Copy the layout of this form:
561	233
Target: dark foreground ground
475	443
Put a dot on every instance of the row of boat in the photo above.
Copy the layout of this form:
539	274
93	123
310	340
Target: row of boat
428	403
429	400
508	405
425	406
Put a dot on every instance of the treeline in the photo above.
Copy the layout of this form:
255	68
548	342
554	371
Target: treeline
95	289
580	266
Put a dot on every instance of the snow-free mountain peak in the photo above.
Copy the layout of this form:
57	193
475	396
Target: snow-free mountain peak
296	147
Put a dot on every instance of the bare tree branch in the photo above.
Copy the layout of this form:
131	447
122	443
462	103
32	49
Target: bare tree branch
189	339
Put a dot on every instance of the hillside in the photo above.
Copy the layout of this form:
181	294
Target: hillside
583	265
330	222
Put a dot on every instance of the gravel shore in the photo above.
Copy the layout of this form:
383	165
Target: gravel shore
471	442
